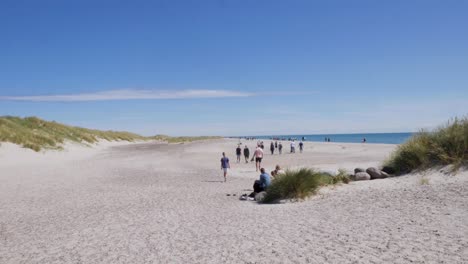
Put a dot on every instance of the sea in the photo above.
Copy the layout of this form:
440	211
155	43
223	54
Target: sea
381	138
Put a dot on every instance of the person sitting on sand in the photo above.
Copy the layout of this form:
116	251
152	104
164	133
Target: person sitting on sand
225	165
261	184
276	172
246	154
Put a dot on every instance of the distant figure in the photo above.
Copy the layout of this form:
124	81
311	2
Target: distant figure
272	148
301	146
261	145
246	154
225	165
238	153
364	140
261	184
280	148
293	147
329	140
258	154
276	144
276	172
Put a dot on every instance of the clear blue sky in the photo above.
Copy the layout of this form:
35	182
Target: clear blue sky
236	67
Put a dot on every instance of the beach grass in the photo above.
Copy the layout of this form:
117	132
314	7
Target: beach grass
446	145
37	134
299	184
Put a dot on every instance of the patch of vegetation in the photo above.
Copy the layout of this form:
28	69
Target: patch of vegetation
300	184
36	134
446	145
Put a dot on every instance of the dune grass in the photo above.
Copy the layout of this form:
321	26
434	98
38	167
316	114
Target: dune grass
299	184
446	145
37	134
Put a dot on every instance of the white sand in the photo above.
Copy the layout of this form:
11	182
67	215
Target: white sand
158	203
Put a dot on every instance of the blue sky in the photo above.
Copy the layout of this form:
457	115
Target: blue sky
236	67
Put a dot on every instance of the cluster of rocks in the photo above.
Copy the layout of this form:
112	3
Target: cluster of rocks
371	173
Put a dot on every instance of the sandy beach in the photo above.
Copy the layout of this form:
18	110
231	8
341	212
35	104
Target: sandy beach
167	203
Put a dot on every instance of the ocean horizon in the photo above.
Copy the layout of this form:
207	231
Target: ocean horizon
377	138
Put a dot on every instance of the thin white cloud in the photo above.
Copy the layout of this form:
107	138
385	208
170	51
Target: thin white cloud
129	95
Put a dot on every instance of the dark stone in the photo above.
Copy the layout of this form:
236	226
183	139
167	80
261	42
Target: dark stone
362	176
356	170
376	173
389	170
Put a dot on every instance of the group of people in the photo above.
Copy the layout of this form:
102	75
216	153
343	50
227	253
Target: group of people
265	179
263	182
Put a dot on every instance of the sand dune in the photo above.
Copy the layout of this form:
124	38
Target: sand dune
159	203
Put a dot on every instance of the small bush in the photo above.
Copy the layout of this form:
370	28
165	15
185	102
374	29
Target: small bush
447	145
298	185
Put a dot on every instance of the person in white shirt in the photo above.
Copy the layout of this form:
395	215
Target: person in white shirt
293	147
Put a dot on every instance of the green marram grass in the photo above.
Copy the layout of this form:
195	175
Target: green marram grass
446	145
299	184
37	134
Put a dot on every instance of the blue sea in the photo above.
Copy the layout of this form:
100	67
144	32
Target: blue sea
384	138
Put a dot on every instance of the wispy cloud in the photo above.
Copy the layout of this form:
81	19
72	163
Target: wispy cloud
129	95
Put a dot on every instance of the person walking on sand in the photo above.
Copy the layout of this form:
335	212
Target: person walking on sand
238	153
258	154
246	154
280	148
225	165
301	146
272	148
293	147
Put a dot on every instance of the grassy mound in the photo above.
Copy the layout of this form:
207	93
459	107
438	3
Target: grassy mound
447	145
35	133
298	185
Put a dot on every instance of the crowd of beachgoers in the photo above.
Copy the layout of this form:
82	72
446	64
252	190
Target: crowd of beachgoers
265	179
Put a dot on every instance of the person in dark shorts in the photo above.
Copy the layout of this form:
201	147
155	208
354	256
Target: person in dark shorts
272	148
258	154
280	148
246	154
301	146
225	165
238	153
